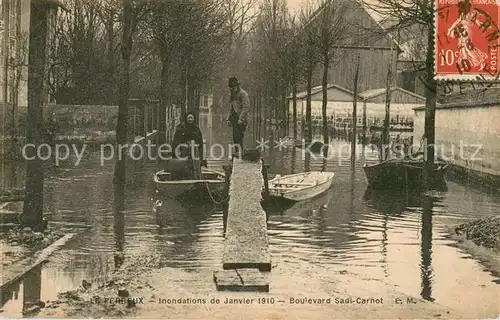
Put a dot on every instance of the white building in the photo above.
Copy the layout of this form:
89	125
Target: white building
340	107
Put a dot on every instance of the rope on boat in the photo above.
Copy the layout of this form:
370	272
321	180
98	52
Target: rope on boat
212	197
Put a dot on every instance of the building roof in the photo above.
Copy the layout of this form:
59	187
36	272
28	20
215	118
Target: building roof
375	16
317	89
471	99
372	93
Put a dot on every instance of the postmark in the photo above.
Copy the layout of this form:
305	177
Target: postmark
467	40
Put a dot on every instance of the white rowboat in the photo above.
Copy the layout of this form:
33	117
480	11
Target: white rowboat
300	186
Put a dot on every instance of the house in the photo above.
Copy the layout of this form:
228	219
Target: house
14	32
14	35
340	101
401	107
376	48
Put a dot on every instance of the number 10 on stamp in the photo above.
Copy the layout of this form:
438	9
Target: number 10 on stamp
467	40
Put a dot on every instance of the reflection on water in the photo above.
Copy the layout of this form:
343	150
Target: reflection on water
400	239
426	248
21	299
32	288
119	224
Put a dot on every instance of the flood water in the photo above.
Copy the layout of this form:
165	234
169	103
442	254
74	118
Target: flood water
397	239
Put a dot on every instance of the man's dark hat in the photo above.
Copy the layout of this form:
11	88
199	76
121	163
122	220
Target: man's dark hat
233	81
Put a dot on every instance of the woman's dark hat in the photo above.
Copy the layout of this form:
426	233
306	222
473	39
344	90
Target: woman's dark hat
233	82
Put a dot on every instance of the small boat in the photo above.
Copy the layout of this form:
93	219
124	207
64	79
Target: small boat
404	173
300	186
290	142
209	187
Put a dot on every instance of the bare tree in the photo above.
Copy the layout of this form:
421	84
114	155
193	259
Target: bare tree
132	13
309	41
108	12
331	28
354	76
272	31
18	63
32	215
83	64
406	14
293	56
241	17
162	26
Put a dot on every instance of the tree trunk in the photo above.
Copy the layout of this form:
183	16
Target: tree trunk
308	103
119	224
111	59
264	120
427	204
324	102
276	115
162	112
294	97
284	109
18	69
32	215
196	103
355	111
430	110
364	122
185	83
387	124
6	48
121	126
191	93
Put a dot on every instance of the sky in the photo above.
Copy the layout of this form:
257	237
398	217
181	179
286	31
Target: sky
294	5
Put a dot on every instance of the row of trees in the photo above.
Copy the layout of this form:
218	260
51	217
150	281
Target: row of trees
177	49
290	48
182	48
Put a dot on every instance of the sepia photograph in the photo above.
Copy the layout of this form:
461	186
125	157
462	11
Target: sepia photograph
250	159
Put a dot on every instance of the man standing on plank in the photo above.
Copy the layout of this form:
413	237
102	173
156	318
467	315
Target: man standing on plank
237	118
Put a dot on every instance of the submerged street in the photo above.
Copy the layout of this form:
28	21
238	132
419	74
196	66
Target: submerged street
348	242
88	234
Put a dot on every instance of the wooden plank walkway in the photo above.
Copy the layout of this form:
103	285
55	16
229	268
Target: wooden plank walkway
241	280
246	243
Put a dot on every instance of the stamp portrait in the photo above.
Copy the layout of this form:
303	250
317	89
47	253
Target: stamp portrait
467	39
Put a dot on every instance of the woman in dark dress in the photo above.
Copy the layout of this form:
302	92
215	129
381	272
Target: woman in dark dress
186	132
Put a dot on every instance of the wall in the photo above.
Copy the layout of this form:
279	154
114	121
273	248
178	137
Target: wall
70	120
375	112
461	130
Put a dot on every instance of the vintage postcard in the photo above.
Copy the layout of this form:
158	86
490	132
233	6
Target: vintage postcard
249	159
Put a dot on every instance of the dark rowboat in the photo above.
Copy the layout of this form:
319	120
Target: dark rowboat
405	173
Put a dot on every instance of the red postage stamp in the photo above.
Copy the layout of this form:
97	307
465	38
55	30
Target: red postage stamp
467	39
